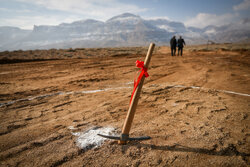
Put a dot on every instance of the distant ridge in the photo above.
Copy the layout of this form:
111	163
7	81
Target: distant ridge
122	30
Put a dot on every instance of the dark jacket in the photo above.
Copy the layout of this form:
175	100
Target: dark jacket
173	42
181	42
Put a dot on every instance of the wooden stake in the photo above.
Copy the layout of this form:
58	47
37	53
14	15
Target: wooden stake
132	108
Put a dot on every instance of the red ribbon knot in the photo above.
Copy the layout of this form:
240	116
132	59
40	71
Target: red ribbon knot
139	64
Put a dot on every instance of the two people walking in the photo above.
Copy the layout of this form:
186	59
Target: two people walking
179	43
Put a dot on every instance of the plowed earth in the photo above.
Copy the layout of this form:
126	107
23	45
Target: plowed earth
195	108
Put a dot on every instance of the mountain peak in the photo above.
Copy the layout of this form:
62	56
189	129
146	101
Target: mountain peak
124	16
80	22
127	15
122	30
88	21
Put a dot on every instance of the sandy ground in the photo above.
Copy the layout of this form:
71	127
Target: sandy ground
195	108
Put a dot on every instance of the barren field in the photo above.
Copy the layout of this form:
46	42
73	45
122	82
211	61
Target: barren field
195	108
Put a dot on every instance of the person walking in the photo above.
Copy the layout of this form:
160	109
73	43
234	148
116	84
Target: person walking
180	44
173	45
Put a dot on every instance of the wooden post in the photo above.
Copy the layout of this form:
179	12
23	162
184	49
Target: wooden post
132	108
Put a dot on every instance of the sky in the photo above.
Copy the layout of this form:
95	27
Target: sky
197	13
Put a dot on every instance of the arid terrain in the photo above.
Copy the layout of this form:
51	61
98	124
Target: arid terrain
195	107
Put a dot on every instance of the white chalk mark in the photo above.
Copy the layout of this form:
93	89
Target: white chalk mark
92	91
129	83
178	86
89	139
175	104
231	92
110	89
61	93
71	127
197	87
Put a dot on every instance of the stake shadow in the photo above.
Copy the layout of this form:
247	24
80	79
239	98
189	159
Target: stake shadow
228	151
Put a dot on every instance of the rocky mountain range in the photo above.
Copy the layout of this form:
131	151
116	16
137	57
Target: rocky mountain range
122	30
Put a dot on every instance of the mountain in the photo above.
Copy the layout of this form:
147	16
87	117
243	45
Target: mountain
10	35
123	30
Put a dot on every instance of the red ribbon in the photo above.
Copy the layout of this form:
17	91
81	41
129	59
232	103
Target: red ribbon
139	64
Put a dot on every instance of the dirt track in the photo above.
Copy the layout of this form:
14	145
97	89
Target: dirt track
189	106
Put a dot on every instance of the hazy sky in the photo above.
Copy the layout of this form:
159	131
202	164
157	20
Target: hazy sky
199	13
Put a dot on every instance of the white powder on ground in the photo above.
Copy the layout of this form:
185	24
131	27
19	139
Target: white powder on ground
110	89
88	139
236	93
61	93
175	104
71	127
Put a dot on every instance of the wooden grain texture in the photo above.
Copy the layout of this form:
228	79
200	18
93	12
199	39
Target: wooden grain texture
132	108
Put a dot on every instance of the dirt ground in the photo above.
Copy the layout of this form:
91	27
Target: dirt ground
195	107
